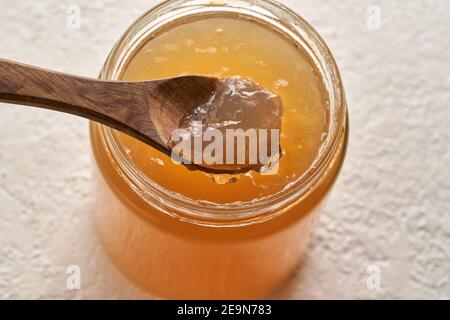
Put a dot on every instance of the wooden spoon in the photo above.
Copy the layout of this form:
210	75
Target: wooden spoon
147	110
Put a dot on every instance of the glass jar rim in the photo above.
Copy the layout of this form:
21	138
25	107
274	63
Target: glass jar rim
283	20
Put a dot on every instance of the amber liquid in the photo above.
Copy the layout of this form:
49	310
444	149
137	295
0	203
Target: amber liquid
177	259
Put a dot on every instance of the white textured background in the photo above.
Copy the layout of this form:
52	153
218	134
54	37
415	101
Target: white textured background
390	207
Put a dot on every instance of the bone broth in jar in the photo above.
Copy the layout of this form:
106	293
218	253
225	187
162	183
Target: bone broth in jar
182	233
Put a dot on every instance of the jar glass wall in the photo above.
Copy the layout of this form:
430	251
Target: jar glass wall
176	246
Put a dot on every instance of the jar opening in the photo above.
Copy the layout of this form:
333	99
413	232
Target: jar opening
274	16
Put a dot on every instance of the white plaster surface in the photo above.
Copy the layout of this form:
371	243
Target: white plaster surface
390	206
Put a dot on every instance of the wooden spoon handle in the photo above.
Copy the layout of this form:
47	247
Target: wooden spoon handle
109	102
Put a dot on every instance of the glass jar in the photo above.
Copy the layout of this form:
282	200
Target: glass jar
175	247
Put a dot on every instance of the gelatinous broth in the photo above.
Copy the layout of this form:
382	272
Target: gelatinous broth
225	47
236	130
